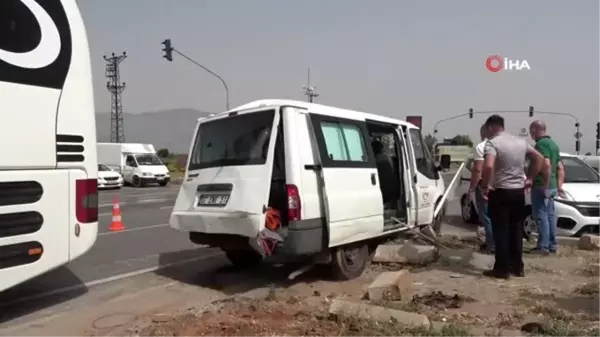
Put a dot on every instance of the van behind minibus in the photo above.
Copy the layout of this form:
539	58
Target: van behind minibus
282	180
48	170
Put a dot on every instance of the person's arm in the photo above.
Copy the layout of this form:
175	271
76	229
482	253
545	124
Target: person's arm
536	163
476	168
489	161
546	169
560	176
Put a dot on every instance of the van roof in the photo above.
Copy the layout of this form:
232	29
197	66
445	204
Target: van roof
316	108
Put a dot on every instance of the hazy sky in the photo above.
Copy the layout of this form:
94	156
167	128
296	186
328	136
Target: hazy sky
392	57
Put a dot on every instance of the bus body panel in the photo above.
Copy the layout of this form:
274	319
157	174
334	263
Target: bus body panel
48	171
28	126
52	207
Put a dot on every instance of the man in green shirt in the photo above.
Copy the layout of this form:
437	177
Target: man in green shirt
545	187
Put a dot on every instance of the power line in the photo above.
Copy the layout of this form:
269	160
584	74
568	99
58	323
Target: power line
115	87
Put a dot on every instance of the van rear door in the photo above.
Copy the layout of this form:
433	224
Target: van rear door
227	184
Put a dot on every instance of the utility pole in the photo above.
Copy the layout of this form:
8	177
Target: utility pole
169	49
115	87
310	91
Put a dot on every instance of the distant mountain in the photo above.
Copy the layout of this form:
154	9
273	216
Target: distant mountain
171	129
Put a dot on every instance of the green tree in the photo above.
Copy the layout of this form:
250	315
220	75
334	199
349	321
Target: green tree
461	140
429	142
163	153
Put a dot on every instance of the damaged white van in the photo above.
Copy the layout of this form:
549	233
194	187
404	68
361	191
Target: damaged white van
275	180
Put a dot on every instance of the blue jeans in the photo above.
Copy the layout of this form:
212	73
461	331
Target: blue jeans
484	217
542	204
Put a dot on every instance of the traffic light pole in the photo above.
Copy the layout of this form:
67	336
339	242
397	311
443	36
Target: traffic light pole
168	55
530	111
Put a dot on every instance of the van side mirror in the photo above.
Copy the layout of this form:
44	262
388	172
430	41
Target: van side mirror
445	161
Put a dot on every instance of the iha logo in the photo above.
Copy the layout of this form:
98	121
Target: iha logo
495	63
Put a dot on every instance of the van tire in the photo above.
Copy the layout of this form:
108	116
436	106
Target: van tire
349	261
244	259
136	181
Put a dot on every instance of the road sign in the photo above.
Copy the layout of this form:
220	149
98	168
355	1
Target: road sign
578	135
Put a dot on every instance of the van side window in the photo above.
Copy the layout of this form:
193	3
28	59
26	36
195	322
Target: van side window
423	158
344	142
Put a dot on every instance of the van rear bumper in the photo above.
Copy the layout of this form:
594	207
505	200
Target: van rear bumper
235	223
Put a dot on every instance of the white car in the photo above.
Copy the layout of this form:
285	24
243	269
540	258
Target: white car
577	213
108	178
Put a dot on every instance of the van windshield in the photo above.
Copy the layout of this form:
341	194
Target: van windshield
233	141
148	159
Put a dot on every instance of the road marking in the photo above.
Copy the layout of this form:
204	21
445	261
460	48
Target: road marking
105	214
108	279
166	207
141	201
134	229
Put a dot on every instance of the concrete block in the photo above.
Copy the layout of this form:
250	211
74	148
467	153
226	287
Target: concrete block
377	313
406	253
390	285
589	242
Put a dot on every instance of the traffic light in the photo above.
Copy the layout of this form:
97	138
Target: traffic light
597	136
530	111
168	50
471	113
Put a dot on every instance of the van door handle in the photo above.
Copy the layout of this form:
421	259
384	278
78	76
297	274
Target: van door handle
373	179
194	175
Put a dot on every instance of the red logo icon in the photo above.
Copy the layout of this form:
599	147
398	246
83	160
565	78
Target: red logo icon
494	63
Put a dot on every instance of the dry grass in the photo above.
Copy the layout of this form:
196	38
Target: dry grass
589	289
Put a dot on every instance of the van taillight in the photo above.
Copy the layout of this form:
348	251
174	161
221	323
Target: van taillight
294	203
86	200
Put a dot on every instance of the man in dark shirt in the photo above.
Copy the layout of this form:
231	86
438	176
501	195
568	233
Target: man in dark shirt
545	188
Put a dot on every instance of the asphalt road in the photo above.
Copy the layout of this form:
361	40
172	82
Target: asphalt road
147	244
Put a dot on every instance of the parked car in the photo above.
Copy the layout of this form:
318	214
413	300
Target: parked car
108	178
577	213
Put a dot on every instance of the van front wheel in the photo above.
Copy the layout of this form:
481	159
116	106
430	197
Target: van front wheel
349	261
244	259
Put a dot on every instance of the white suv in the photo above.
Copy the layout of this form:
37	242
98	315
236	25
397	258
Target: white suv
577	213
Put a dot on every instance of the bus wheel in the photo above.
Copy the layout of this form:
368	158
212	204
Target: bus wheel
349	261
243	259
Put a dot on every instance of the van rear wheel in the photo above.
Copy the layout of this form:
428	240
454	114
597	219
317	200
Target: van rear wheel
244	259
349	261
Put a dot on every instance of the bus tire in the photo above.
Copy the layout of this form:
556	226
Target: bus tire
349	261
244	259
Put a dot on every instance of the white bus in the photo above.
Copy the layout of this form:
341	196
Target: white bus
48	167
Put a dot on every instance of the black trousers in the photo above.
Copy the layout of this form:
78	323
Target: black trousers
506	210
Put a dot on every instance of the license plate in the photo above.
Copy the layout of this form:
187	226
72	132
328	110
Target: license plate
160	178
213	200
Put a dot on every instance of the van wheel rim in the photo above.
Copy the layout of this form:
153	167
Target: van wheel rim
530	225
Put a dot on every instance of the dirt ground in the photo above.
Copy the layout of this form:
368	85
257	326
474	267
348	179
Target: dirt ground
558	297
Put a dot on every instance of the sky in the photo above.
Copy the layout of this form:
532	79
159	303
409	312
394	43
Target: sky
388	57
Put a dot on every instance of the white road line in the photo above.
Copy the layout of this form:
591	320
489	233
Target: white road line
134	229
166	207
108	279
141	201
105	214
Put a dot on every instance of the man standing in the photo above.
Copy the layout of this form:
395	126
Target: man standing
476	190
504	165
545	188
